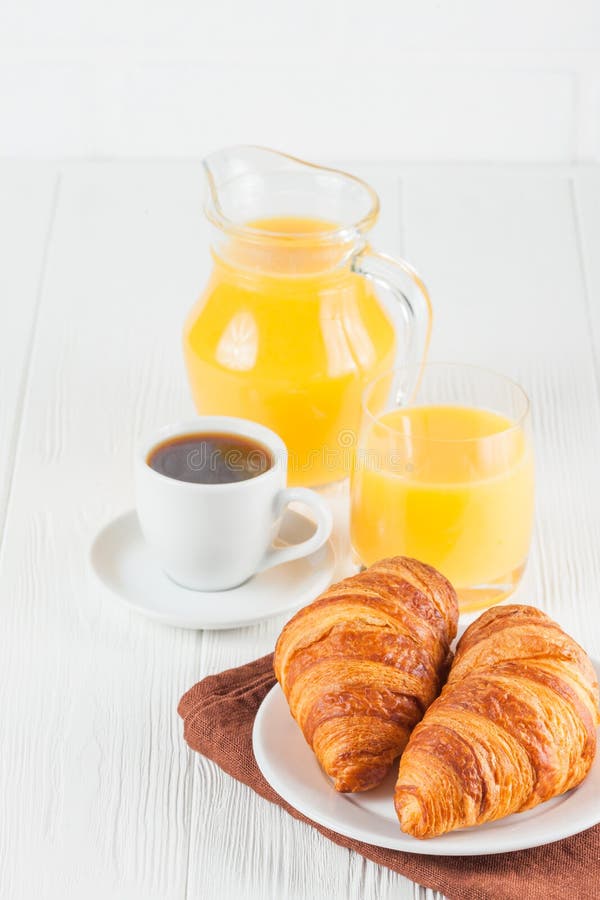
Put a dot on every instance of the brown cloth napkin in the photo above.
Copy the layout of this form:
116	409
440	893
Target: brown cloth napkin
218	715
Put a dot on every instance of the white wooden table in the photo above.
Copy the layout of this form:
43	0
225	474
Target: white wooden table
99	796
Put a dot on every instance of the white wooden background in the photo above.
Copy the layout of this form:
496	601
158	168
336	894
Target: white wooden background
99	796
392	79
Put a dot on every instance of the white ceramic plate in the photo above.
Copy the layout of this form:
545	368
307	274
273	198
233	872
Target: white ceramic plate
124	563
291	768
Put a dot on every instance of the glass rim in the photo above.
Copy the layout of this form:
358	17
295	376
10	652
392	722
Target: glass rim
515	425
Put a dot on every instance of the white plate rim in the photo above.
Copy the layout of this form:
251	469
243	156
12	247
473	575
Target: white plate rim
463	842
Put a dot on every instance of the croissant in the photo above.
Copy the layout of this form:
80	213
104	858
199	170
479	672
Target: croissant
515	725
361	664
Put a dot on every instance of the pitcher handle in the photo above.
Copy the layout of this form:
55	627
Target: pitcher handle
408	288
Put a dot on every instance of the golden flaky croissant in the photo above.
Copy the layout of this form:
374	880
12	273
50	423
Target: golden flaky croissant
515	725
361	664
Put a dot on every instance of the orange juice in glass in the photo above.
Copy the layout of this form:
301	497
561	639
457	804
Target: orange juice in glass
446	476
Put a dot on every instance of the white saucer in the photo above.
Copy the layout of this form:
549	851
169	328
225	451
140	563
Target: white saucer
124	563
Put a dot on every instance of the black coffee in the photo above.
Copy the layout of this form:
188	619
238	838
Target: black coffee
210	458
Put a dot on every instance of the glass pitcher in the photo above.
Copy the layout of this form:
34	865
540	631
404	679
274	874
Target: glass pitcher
290	327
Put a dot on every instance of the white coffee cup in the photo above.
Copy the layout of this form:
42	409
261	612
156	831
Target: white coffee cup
211	537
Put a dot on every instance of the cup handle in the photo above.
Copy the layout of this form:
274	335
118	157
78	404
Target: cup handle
276	555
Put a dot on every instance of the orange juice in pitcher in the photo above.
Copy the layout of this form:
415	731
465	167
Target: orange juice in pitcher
290	328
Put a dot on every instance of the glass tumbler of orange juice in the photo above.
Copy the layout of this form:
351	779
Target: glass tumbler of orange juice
444	473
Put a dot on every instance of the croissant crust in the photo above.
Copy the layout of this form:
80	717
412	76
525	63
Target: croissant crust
361	664
515	725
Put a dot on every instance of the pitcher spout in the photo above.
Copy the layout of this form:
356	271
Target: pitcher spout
248	183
